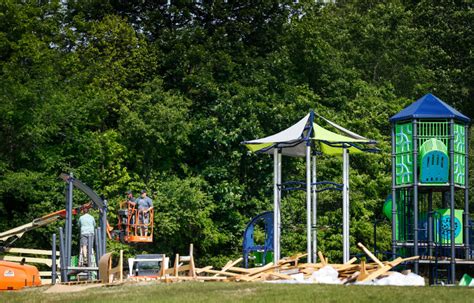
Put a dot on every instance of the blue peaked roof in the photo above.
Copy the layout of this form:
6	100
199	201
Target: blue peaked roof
429	107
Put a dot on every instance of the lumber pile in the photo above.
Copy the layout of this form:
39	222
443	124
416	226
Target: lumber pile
288	269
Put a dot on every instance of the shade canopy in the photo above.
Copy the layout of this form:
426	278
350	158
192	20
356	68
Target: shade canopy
292	141
429	107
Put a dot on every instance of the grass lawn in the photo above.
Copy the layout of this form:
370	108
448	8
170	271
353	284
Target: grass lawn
246	292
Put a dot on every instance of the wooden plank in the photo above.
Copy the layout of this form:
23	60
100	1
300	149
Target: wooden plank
256	272
350	261
176	265
363	272
346	265
27	260
30	251
371	255
410	258
292	271
184	267
230	264
292	259
349	267
310	265
281	276
192	270
322	258
375	273
199	270
240	269
395	262
351	278
262	269
247	278
225	273
307	271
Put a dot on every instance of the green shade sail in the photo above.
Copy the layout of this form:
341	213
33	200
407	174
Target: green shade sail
293	140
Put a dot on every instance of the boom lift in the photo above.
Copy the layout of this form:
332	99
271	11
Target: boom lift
131	228
8	237
18	275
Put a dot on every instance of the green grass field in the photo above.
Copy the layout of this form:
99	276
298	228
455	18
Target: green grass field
246	292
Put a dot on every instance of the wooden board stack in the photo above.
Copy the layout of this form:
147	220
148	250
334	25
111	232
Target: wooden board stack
286	269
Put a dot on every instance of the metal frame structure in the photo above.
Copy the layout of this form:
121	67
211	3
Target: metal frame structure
65	235
310	184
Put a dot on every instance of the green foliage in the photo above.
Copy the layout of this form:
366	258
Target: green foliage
132	95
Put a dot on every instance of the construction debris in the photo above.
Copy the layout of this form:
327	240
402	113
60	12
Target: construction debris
290	270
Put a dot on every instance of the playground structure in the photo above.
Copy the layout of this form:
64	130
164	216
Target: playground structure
429	165
65	235
308	139
261	254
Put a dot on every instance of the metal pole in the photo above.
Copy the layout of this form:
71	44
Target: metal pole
348	208
451	200
394	194
99	239
308	201
69	221
315	212
466	192
279	202
104	229
62	256
66	228
53	260
276	244
430	223
89	255
415	193
345	205
97	246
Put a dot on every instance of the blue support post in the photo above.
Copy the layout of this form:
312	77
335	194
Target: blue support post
99	239
104	228
69	222
97	245
451	200
62	256
53	259
467	246
415	194
394	195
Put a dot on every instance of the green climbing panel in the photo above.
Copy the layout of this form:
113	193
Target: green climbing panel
404	153
443	226
459	154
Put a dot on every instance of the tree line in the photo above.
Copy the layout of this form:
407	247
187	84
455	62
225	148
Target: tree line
142	94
